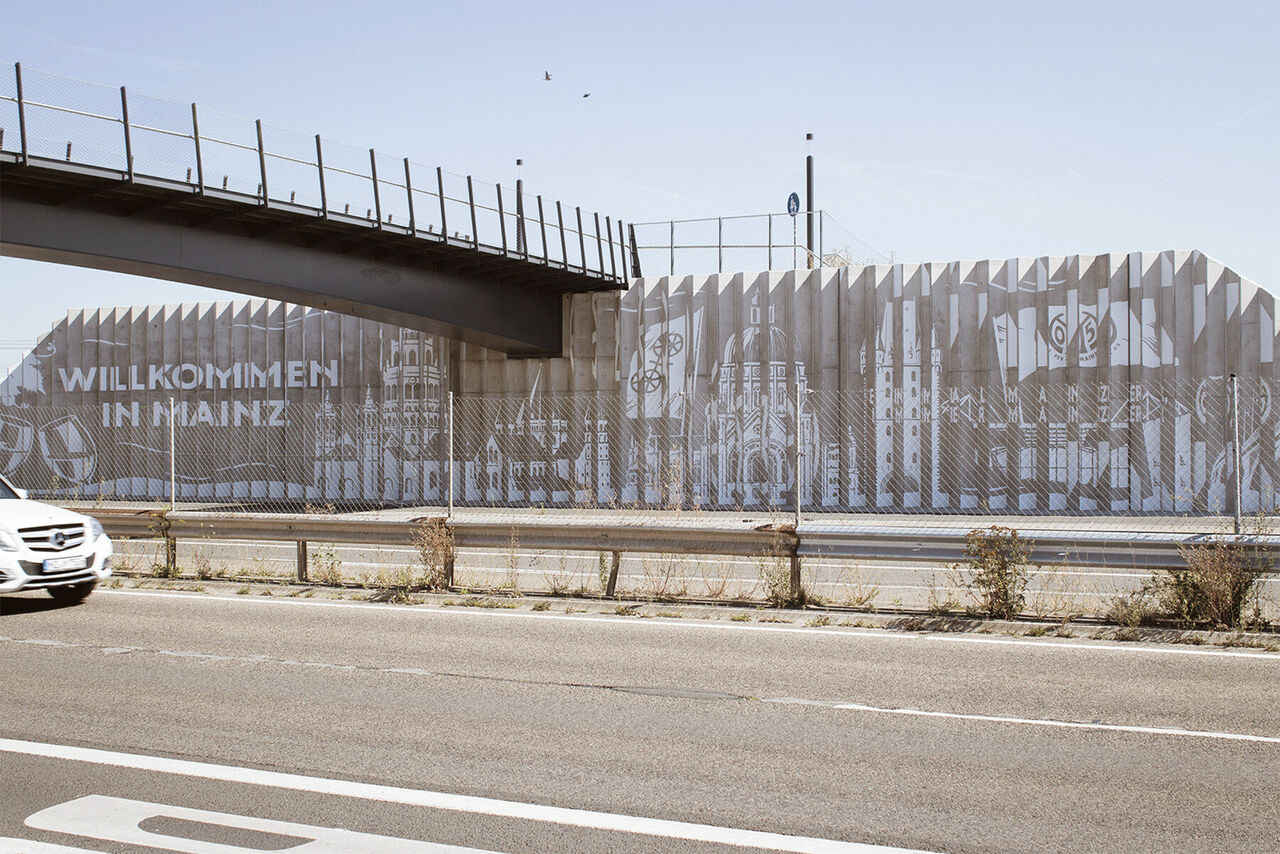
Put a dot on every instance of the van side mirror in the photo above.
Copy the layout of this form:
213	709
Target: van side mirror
22	493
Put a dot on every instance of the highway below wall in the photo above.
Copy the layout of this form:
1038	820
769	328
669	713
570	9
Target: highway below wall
177	720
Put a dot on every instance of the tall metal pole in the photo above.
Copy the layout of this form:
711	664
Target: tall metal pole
808	184
799	400
450	515
173	465
1235	444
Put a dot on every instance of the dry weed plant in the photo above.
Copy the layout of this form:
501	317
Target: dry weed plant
715	581
1220	586
200	565
995	570
511	577
942	597
664	577
433	540
854	588
560	579
1060	594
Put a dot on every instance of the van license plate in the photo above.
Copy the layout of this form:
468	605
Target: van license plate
57	563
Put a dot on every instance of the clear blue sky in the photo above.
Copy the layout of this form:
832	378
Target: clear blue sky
944	130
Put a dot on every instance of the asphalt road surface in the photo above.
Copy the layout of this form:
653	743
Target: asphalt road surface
222	724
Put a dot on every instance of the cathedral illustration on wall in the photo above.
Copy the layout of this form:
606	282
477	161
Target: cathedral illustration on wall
1067	384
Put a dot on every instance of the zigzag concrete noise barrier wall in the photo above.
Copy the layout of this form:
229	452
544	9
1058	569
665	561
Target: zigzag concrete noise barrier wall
1084	383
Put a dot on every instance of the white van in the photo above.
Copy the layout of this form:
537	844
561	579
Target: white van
43	547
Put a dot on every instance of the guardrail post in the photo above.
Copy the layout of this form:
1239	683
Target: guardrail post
443	532
324	199
128	142
377	198
797	589
564	247
262	162
769	231
1238	477
502	221
302	560
719	244
408	188
444	225
612	586
622	249
613	261
471	200
635	252
599	243
22	113
582	240
673	247
195	135
542	230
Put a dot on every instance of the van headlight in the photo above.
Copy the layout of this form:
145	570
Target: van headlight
9	541
95	530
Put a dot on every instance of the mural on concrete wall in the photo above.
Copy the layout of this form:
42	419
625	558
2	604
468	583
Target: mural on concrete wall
1075	384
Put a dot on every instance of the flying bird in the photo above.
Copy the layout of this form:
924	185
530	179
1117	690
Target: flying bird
588	95
546	75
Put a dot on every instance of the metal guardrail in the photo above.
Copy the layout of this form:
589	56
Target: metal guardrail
750	242
1115	549
1127	549
585	536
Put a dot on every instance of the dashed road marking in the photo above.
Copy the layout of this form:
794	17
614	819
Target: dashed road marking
1043	722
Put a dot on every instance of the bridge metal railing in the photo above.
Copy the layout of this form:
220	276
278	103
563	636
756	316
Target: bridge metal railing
47	119
754	242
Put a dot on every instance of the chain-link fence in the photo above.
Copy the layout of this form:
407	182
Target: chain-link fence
748	243
45	117
759	445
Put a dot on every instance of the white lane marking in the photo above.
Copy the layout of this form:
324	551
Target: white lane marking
1043	722
589	819
1081	645
120	820
10	845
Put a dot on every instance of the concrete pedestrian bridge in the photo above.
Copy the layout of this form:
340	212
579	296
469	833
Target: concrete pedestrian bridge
111	180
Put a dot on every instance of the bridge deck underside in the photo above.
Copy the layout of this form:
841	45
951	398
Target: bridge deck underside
444	285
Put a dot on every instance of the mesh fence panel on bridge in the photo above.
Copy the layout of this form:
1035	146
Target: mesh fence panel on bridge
748	243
